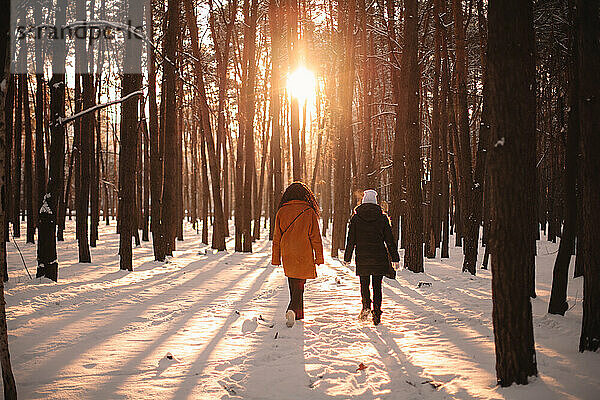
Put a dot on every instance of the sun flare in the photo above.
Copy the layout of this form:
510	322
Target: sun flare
301	83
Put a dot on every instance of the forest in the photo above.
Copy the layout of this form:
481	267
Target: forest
157	130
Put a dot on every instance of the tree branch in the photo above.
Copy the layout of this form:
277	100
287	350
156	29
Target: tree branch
64	121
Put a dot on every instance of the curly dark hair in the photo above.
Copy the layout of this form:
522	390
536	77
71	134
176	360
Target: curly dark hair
299	191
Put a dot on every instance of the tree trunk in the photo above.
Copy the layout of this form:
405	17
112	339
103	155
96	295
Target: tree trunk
250	17
131	82
10	389
96	154
344	128
94	140
293	56
171	147
18	138
40	116
222	50
511	68
484	133
218	238
364	178
276	44
65	195
463	144
146	173
560	276
83	146
588	65
398	171
261	181
445	207
46	250
156	159
28	182
8	118
179	161
413	256
205	191
434	227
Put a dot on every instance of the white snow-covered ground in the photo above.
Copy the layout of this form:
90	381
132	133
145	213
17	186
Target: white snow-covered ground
102	333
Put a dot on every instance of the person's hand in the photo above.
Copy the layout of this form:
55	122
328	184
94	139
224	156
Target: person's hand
396	265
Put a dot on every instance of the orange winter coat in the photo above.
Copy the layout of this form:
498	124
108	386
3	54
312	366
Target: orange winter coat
300	248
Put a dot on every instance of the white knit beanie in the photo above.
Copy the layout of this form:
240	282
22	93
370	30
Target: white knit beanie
369	196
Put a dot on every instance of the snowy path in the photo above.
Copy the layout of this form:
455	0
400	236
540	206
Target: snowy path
102	333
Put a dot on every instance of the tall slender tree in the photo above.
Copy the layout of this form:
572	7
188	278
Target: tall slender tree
28	170
398	170
344	127
275	108
560	276
293	59
40	116
17	146
250	18
85	127
171	143
462	143
156	159
46	250
128	151
218	238
588	65
222	44
511	69
413	257
10	389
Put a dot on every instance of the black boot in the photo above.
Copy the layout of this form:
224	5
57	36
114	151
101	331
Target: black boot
376	317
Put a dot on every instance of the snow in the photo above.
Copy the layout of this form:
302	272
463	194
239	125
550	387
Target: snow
198	327
45	208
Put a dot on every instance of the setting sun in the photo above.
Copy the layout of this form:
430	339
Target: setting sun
301	83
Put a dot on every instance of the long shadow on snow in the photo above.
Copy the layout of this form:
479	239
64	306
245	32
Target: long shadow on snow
437	308
399	367
65	361
411	295
157	299
105	279
197	366
126	288
174	327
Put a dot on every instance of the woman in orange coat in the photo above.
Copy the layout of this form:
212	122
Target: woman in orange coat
297	243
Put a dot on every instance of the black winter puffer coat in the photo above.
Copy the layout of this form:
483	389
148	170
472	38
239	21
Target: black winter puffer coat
371	234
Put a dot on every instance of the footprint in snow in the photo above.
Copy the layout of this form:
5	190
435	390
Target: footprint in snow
165	363
249	325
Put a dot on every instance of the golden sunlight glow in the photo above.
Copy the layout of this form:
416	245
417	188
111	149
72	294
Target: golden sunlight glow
301	84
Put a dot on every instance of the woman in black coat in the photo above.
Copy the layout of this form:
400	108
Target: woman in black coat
370	232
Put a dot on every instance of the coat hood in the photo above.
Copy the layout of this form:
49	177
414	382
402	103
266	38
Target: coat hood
368	212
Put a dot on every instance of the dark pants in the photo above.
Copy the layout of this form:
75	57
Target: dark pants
365	291
296	296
